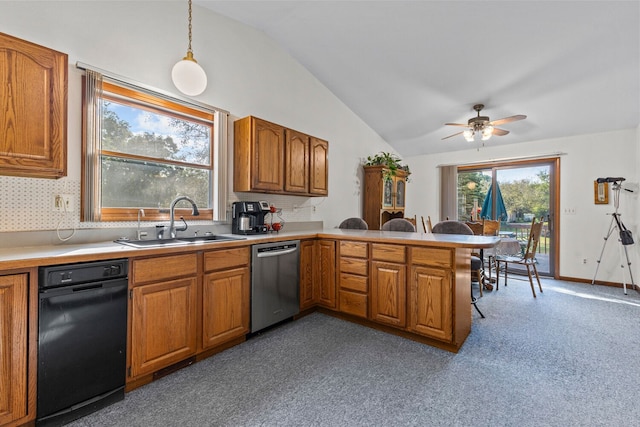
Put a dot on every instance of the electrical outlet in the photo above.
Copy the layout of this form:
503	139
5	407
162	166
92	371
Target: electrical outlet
63	203
584	260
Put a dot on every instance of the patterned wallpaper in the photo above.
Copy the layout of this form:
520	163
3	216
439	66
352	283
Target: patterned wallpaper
27	204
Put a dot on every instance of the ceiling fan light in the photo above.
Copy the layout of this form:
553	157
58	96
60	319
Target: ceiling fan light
468	135
487	132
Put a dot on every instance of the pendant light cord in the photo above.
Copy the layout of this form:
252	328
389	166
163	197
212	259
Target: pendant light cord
189	49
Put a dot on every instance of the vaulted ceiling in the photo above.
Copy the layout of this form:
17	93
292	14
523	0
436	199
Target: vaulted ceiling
408	67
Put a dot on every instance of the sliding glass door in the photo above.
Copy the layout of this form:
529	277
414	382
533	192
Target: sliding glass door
514	193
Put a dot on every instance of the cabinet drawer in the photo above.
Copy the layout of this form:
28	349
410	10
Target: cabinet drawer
390	253
431	256
354	265
353	282
353	249
226	258
164	267
353	303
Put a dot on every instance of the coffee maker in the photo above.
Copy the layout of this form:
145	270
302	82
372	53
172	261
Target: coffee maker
248	217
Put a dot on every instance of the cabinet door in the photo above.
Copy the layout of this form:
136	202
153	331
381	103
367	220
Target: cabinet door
296	162
388	293
33	130
326	273
13	347
268	156
430	302
163	322
319	167
225	306
400	192
387	194
308	289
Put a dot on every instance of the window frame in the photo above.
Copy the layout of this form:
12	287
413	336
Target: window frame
145	99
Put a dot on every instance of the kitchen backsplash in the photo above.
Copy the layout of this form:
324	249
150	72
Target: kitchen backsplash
27	204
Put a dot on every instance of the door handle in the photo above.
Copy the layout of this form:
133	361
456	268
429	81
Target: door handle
276	253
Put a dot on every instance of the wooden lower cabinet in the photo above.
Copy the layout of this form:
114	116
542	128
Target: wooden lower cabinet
163	324
389	284
186	305
388	293
308	287
13	348
225	306
430	302
326	273
353	278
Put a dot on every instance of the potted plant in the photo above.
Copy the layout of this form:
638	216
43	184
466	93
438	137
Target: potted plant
390	161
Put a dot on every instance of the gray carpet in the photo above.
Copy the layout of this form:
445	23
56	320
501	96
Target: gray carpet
567	358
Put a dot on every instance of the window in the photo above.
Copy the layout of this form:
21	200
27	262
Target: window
143	150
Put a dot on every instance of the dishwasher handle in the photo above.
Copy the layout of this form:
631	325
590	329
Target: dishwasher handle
273	253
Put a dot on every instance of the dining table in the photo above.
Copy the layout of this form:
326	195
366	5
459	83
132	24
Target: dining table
507	246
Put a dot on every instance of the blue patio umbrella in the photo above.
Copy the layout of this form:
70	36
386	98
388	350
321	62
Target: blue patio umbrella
487	208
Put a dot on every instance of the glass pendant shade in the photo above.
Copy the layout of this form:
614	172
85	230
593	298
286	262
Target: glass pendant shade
468	135
188	76
487	132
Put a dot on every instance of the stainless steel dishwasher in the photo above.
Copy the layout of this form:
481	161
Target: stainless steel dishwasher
275	290
82	337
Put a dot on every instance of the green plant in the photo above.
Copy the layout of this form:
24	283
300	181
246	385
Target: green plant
391	161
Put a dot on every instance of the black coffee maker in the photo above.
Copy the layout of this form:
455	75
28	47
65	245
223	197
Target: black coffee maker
248	217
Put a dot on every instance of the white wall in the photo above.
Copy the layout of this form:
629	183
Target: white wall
586	158
248	75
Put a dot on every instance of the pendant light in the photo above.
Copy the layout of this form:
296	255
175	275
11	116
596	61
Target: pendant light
187	75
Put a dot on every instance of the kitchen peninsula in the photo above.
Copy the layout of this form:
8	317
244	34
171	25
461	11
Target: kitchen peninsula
410	284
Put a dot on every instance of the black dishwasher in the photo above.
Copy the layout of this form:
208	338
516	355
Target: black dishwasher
82	335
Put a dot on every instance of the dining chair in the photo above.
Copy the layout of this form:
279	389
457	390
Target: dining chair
476	227
424	224
528	259
413	220
429	226
456	227
354	224
398	224
490	227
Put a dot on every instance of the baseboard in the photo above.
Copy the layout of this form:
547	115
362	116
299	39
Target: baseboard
598	282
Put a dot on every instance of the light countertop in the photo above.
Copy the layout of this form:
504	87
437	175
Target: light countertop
32	256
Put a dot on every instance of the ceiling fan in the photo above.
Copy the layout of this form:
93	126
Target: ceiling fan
483	126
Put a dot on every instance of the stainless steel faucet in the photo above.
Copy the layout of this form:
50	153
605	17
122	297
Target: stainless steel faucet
172	228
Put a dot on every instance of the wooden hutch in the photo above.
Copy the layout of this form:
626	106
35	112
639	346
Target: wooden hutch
384	198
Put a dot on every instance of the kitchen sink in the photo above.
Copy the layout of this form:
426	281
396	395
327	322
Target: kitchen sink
206	239
178	241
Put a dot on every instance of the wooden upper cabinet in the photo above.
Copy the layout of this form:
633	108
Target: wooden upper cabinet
33	101
258	156
297	161
269	158
319	167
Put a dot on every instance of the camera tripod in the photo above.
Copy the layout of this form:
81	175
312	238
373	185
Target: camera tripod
616	225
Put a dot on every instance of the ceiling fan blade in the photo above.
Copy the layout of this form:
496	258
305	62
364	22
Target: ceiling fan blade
455	134
456	124
500	132
508	119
